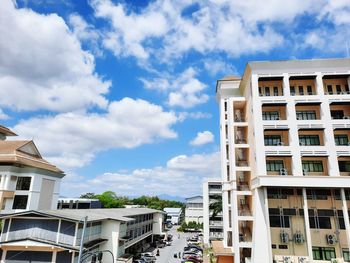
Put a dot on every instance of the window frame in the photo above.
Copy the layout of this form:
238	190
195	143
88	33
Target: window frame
312	166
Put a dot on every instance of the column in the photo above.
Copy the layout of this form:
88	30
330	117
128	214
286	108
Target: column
54	255
307	225
345	215
4	252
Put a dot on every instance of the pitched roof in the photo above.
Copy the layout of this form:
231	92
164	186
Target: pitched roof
24	153
6	131
119	214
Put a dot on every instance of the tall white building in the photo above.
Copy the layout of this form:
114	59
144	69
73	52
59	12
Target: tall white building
212	220
27	181
285	130
194	209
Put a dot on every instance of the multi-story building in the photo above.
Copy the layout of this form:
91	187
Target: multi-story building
27	180
285	130
55	236
174	215
212	220
78	203
194	209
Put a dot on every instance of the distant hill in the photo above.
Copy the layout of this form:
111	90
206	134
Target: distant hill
171	197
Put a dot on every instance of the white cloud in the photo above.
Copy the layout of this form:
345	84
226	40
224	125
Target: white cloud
71	140
214	67
42	64
202	138
3	115
194	115
183	90
181	176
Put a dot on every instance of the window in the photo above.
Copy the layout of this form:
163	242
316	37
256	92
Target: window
292	90
272	140
323	253
341	139
277	219
20	202
301	90
279	193
318	194
260	91
320	219
312	166
306	115
275	165
309	140
23	183
337	114
267	91
275	91
330	89
309	90
346	254
338	89
270	115
344	166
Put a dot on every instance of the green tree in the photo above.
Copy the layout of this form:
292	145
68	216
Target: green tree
109	199
216	206
88	196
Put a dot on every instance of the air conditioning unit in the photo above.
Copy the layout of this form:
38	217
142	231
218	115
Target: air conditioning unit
303	259
280	144
305	172
298	238
287	259
331	239
284	237
283	171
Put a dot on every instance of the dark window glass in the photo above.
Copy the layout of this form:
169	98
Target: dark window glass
338	89
330	89
20	202
309	90
312	166
301	90
347	88
341	139
267	91
260	91
337	114
306	115
273	246
282	246
23	183
344	166
275	91
318	194
270	115
272	140
279	221
292	90
309	140
275	165
323	253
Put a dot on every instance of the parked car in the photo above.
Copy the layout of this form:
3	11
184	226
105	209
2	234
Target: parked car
187	254
148	259
139	261
193	246
161	244
194	259
168	243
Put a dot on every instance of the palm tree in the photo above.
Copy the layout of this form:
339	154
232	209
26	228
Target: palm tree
216	206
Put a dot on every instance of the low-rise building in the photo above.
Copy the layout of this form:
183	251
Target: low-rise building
78	203
27	181
194	209
174	215
55	235
212	220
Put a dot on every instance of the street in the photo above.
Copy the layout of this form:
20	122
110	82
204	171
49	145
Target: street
166	254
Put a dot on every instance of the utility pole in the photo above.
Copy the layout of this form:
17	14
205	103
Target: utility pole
82	240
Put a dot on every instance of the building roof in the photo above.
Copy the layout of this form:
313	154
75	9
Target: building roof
195	199
231	78
118	214
25	153
172	210
6	131
86	200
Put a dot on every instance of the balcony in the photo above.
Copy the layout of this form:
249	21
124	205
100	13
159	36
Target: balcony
302	86
344	165
215	223
241	135
243	181
336	85
242	157
239	112
341	137
340	111
270	87
308	111
311	137
215	235
281	165
245	232
315	166
276	137
274	112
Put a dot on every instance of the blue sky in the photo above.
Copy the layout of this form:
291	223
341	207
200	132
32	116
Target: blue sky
121	94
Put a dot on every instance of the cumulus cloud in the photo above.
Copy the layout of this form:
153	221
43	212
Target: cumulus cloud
71	140
3	115
214	67
184	90
202	138
178	171
42	64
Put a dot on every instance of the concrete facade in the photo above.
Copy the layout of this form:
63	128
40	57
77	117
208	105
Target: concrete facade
194	209
286	161
174	215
